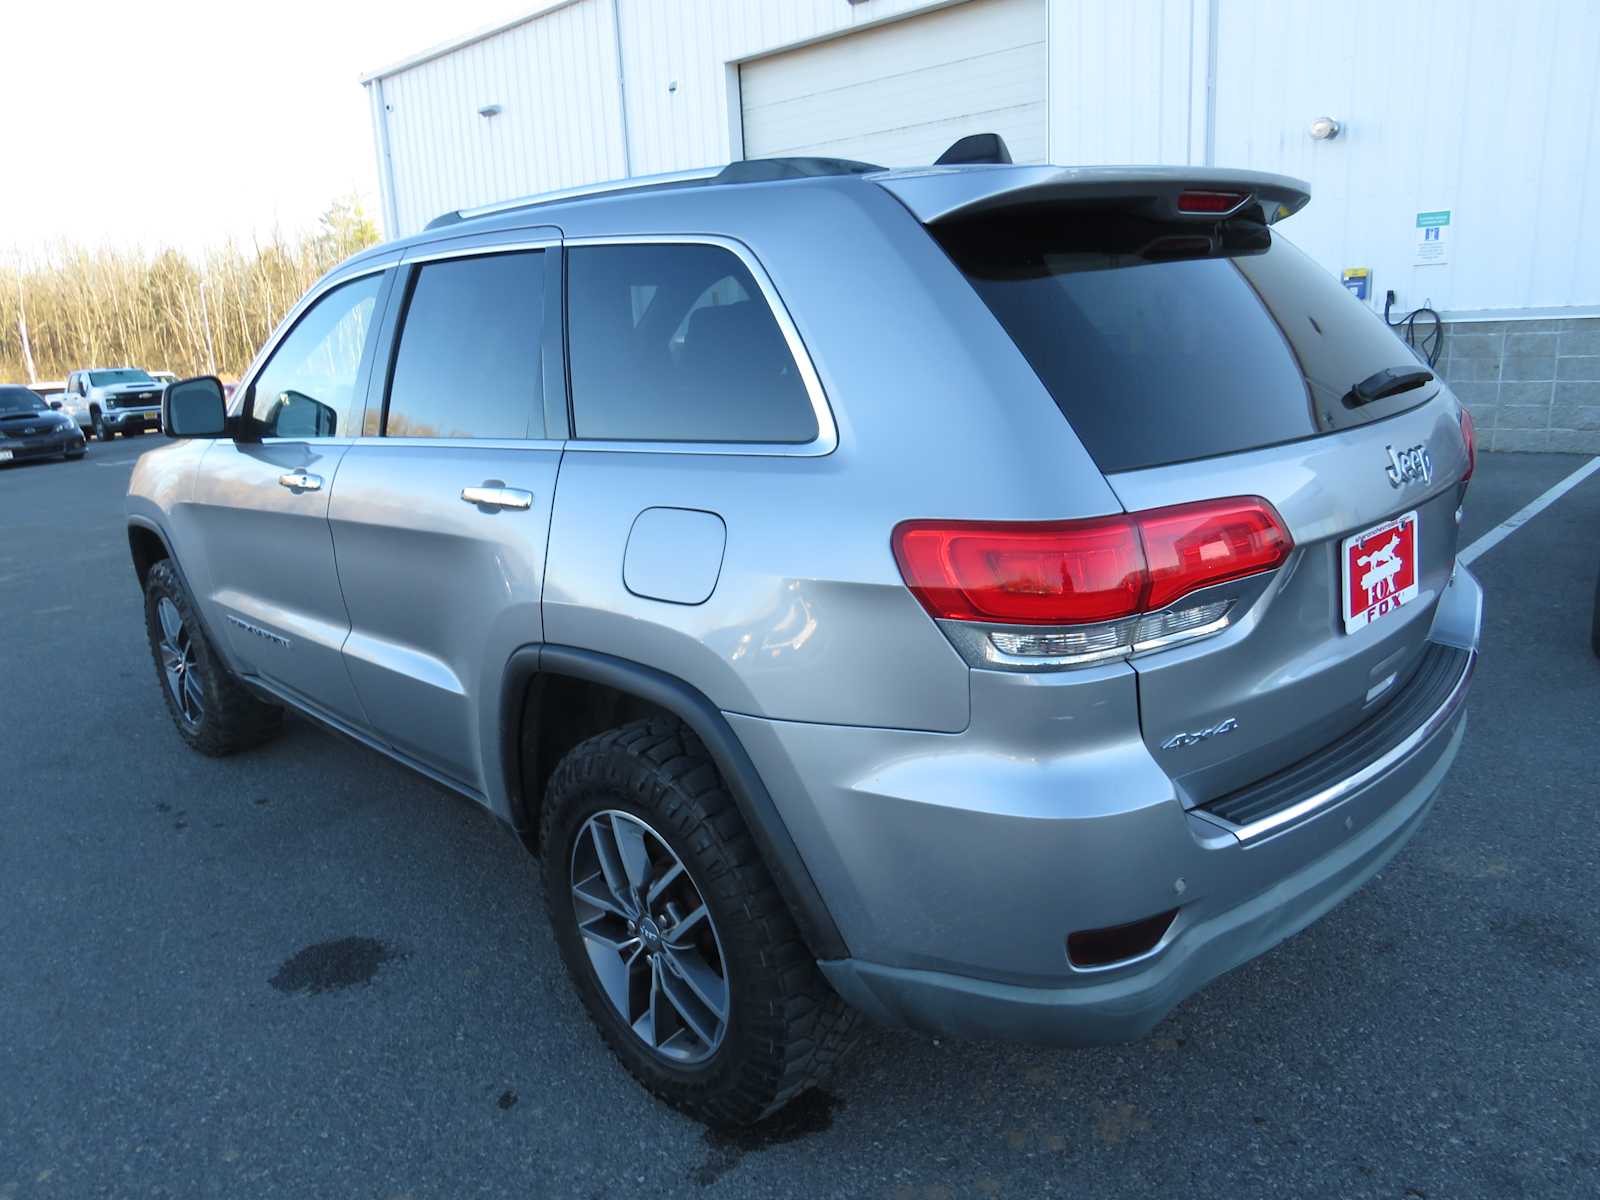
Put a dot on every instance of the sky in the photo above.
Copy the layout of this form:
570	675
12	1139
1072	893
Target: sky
183	124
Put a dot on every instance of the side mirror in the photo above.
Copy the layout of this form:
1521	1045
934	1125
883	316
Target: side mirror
297	415
56	405
194	408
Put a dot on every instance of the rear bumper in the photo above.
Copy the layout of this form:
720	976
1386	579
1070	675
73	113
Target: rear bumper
956	865
1127	1004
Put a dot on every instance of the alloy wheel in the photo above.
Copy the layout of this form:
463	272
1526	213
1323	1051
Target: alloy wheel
178	663
650	938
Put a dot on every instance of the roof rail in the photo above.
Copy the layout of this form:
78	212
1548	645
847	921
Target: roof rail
573	193
754	170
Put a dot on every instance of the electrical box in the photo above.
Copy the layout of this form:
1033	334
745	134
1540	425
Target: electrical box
1358	280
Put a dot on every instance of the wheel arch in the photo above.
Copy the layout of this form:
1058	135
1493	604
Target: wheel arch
567	690
148	545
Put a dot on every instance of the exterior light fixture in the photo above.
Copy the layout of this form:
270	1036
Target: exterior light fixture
1325	129
490	110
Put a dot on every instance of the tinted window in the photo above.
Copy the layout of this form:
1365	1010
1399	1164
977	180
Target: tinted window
1159	343
675	343
120	375
20	400
307	388
469	358
1338	340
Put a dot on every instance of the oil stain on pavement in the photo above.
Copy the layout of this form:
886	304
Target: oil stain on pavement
330	966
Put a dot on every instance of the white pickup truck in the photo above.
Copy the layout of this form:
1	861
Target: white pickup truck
113	400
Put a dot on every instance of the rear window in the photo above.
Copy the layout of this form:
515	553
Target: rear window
1163	343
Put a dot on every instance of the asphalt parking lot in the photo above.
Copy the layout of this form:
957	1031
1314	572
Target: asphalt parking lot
306	972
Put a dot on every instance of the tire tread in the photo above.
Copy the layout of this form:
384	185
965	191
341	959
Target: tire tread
234	718
801	1029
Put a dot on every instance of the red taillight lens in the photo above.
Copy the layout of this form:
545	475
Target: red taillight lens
1195	545
1077	572
1209	202
1471	439
1045	573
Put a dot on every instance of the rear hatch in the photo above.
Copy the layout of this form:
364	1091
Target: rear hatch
1202	356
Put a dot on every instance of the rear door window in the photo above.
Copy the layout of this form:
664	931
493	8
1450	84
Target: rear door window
675	342
1162	343
469	360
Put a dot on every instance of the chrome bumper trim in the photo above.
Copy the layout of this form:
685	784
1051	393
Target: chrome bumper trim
1353	783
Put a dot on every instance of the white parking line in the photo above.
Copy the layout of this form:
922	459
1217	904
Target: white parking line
1527	512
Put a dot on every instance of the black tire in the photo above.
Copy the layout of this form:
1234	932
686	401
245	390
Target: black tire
102	431
786	1027
227	717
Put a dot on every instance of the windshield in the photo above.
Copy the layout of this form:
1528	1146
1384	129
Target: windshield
20	400
120	375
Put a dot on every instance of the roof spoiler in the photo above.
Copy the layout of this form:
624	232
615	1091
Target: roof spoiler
764	170
1176	193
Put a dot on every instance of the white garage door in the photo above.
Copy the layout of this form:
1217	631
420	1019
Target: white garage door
900	93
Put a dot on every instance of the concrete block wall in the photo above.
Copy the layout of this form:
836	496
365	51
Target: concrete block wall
1531	385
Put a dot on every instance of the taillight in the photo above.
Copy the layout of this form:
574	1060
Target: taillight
1049	573
1081	572
1471	438
1193	546
1209	202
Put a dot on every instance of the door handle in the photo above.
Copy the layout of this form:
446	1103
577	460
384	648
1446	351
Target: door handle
301	481
496	495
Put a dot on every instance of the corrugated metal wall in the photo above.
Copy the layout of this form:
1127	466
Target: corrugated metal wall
1127	81
556	80
1482	107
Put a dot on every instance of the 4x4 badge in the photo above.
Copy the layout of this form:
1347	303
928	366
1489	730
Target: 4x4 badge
1406	465
1179	740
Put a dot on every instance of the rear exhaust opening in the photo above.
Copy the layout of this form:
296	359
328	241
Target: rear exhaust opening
1088	949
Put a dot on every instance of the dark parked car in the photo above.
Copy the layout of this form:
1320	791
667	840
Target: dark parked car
30	429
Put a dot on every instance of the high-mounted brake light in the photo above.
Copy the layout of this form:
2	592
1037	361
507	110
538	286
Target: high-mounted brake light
1210	202
1081	572
1471	437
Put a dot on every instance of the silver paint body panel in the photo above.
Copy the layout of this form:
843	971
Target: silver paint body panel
957	822
440	592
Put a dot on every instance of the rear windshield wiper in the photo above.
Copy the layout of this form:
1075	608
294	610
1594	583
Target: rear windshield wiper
1390	381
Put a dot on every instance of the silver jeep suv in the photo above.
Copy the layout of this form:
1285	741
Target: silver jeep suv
994	599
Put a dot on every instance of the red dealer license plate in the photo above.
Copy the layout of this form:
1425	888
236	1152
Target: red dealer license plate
1380	571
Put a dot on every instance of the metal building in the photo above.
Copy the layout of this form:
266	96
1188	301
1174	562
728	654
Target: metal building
1453	146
